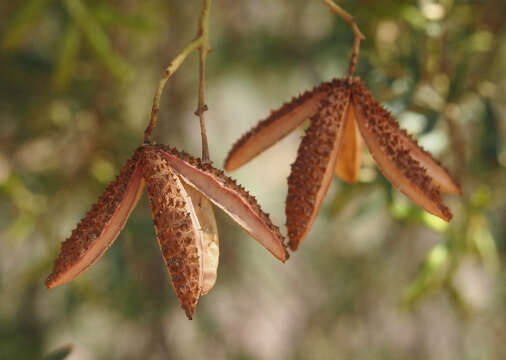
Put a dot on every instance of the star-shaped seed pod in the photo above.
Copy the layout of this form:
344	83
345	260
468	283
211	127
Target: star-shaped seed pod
179	189
341	114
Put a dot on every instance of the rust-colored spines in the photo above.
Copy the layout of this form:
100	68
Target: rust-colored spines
279	124
230	197
344	113
176	231
313	169
387	144
96	232
179	188
439	174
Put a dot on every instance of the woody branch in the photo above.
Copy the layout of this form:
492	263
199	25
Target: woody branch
358	36
201	43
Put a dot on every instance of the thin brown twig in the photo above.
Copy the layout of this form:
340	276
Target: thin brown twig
358	36
171	69
204	49
200	42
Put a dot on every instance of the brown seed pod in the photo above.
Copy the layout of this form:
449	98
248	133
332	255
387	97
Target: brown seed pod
179	188
210	243
410	168
440	176
177	228
100	227
279	124
313	169
230	197
388	146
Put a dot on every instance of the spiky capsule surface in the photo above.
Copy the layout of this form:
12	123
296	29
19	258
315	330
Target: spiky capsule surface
408	166
230	197
176	228
386	143
276	126
385	122
178	187
313	169
96	232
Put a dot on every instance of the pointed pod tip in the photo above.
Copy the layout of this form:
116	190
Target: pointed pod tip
446	214
228	166
456	190
53	281
294	245
189	310
286	256
100	227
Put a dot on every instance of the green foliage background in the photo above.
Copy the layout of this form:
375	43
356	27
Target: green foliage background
376	278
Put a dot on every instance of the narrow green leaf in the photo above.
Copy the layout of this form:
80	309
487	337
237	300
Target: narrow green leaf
21	23
431	277
98	39
108	15
67	57
482	240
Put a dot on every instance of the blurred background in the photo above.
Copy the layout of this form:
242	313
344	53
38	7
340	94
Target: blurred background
376	278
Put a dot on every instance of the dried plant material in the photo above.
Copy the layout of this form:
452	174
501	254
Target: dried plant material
210	243
279	124
384	140
179	188
357	34
100	227
346	114
350	154
230	197
177	228
439	175
437	172
313	169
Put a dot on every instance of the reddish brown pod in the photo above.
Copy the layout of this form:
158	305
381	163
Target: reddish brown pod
177	228
230	197
313	170
101	226
180	190
341	114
